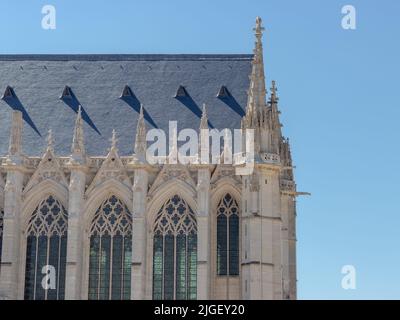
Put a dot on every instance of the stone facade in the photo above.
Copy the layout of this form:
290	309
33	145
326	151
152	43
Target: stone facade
81	182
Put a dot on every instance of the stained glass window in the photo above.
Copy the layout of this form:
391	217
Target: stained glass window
175	252
46	247
110	252
228	236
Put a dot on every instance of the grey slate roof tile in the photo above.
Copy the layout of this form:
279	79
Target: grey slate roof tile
97	82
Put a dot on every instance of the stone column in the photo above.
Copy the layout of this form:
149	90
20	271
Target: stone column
285	203
292	249
203	234
10	262
270	212
288	241
252	230
139	238
261	225
74	270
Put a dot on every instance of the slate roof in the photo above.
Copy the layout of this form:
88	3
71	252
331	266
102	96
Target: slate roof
97	83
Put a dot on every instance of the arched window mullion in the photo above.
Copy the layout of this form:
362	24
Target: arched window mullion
227	237
58	267
173	225
46	229
36	266
122	283
111	228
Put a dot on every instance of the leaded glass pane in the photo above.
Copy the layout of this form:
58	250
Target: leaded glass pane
30	268
63	266
54	261
157	267
192	266
41	261
110	252
46	246
105	267
222	244
181	267
169	267
233	245
94	258
127	254
175	251
117	249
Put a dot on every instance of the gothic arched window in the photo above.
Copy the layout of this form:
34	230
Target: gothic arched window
175	252
1	230
46	251
110	252
228	237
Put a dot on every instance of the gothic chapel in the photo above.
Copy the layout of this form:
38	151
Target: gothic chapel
82	205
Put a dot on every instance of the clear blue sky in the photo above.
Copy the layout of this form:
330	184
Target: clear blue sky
340	103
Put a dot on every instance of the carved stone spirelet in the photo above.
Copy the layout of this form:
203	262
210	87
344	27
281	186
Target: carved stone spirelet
16	134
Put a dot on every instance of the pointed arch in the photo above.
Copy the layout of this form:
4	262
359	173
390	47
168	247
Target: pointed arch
110	253
95	200
227	244
42	190
103	191
222	186
165	192
175	251
226	237
46	250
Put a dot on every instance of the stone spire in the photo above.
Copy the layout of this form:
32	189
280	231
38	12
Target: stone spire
50	141
226	156
274	123
204	119
173	153
140	140
204	149
256	100
273	101
114	140
286	159
78	146
257	94
15	145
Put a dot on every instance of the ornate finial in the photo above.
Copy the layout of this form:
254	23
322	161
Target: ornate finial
78	147
258	31
141	110
227	153
258	28
256	99
204	119
204	114
140	140
173	148
15	145
114	140
50	140
274	89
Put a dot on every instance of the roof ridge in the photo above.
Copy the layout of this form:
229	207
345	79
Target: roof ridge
125	57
